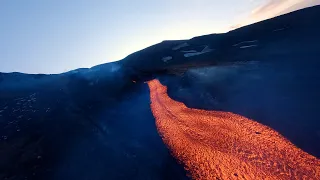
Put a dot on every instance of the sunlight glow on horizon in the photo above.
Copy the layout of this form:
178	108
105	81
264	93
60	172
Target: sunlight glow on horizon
273	8
58	36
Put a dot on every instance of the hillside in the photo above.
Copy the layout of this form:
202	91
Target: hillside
97	123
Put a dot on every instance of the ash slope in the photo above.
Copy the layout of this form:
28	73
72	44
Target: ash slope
97	124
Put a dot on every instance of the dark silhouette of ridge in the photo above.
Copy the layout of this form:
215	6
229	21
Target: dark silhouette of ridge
96	123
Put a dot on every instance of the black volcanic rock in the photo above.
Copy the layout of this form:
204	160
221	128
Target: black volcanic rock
96	123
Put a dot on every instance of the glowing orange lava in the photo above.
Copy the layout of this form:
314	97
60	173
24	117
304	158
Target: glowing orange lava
223	145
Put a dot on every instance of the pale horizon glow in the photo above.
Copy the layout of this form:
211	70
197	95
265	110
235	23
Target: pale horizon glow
58	36
273	8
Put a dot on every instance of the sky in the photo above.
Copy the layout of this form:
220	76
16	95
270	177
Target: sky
54	36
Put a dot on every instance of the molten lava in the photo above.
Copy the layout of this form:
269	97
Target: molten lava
223	145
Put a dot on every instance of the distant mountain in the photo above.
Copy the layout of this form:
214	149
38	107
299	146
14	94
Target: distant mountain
282	29
96	123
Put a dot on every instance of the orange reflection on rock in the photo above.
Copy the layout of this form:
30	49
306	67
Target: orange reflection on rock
223	145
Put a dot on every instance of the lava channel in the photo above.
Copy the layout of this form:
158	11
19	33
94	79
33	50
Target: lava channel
223	145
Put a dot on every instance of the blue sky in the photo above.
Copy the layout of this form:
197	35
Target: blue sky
54	36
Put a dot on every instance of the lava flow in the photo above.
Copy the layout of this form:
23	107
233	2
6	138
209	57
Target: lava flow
223	145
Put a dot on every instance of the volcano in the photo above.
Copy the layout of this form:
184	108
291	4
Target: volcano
238	105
